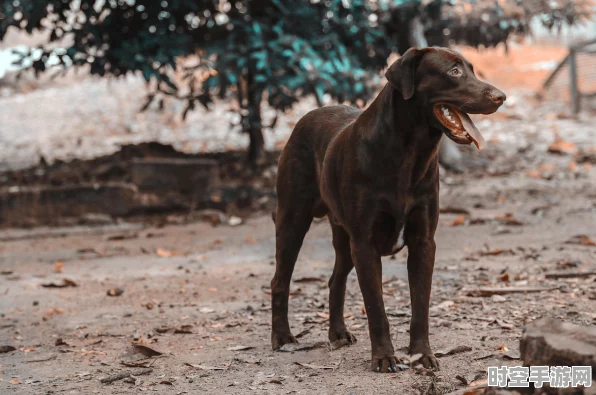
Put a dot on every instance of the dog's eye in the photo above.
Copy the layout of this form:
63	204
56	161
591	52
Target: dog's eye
456	72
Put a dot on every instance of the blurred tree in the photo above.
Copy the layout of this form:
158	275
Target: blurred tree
256	50
478	23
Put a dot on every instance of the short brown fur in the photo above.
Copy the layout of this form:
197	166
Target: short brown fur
375	174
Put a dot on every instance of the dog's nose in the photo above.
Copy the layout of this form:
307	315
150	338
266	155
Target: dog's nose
497	96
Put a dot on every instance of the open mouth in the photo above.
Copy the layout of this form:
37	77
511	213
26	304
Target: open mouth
460	127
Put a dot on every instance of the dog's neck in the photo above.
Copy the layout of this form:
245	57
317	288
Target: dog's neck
399	125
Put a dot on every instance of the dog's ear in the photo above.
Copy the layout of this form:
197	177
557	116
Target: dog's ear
402	73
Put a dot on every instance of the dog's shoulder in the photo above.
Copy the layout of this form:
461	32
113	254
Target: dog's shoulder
331	115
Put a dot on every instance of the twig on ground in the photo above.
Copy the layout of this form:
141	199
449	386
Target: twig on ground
123	375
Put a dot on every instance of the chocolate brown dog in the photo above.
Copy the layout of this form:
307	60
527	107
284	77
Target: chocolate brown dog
375	174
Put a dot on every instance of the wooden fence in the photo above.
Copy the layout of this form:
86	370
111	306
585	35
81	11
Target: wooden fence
580	64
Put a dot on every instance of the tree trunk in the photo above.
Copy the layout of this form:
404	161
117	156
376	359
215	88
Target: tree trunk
256	148
416	33
250	99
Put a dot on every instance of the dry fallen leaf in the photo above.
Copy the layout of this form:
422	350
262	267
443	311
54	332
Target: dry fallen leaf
240	348
583	240
508	219
123	236
454	210
139	352
184	329
115	291
504	324
452	351
459	221
165	253
138	364
309	280
304	332
59	267
312	366
534	174
64	284
205	367
51	312
496	251
504	277
562	147
5	349
291	347
147	351
547	168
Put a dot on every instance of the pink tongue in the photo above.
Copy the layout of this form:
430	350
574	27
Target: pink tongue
471	129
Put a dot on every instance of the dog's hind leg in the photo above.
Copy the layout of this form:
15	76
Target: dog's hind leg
337	286
290	228
297	193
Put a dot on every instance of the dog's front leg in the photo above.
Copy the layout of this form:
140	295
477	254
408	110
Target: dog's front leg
367	261
421	260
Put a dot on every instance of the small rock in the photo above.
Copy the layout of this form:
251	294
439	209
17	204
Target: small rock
235	221
96	219
498	298
552	342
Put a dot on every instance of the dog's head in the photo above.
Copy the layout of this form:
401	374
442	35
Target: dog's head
444	83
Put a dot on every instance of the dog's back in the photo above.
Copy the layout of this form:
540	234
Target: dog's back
313	133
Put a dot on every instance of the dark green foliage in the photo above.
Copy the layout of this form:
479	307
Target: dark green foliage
276	50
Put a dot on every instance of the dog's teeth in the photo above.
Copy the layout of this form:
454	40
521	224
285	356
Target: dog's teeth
447	114
446	111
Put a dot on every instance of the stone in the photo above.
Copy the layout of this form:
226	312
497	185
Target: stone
555	343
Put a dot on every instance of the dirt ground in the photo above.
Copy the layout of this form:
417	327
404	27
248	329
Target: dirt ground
198	294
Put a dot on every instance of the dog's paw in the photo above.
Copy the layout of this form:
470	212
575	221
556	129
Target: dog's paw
340	338
429	361
384	364
279	339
